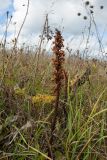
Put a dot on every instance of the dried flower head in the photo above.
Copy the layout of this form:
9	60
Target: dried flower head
101	7
79	14
91	6
91	11
85	17
87	3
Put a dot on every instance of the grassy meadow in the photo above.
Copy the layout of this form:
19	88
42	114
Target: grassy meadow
27	106
53	106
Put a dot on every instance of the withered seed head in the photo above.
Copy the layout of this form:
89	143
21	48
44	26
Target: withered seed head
85	17
79	14
91	11
101	7
87	3
91	6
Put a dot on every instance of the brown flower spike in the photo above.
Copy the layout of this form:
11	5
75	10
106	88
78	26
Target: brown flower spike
58	62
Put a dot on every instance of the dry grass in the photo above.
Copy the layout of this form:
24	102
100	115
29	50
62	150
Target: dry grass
25	125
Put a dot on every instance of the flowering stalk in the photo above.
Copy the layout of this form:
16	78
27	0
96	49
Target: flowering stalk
58	75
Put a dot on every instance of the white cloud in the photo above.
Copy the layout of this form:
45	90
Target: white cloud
62	10
62	13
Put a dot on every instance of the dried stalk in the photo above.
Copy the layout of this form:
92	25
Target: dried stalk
58	78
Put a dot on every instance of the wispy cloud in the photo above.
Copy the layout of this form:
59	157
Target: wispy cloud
62	13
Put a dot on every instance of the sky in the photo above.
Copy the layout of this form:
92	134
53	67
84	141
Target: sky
62	15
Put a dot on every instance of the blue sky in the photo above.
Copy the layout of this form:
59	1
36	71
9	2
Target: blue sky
3	14
62	13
